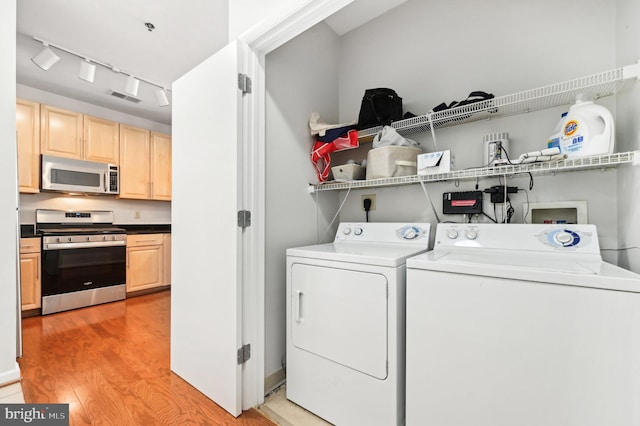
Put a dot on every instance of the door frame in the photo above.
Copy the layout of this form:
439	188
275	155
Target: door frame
262	39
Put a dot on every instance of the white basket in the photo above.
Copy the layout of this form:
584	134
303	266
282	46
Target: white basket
392	161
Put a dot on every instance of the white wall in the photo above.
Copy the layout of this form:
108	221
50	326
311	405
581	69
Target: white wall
432	52
9	369
243	14
628	134
301	77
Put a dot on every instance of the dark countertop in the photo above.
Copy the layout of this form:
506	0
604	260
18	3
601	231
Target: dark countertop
146	229
28	230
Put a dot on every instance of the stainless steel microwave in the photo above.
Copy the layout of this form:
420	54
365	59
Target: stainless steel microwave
78	176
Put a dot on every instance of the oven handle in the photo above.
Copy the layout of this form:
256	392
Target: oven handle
93	244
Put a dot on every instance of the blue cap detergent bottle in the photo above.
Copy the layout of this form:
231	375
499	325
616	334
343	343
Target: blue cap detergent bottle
587	129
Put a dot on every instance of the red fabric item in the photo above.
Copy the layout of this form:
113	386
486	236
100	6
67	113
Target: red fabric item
320	152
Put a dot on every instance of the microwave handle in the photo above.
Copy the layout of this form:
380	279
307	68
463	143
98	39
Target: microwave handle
106	179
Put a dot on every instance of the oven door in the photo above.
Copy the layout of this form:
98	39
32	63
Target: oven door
77	269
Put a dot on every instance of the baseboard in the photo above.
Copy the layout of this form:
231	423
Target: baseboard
10	377
273	381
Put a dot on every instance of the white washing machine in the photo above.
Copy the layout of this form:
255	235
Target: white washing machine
345	322
521	325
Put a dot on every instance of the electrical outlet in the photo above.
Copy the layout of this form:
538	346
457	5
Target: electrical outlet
136	215
372	197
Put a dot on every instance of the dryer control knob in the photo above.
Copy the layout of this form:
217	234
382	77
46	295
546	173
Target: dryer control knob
346	231
357	231
452	234
471	234
564	238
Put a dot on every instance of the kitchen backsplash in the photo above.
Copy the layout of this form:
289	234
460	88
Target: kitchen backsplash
125	211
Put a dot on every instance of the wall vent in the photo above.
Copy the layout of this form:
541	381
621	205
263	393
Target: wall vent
125	96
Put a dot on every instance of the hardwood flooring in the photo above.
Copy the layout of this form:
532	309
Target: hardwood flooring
110	363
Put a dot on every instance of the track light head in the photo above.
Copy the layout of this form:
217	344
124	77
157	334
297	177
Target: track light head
132	86
46	58
161	97
87	71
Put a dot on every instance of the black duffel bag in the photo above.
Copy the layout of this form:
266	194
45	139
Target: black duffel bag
379	108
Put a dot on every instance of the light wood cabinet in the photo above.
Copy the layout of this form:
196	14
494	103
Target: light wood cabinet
74	135
28	136
101	140
166	247
30	274
145	164
60	132
145	262
160	160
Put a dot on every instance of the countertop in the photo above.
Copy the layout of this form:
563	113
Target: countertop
28	230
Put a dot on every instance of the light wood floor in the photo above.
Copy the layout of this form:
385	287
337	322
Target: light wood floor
110	363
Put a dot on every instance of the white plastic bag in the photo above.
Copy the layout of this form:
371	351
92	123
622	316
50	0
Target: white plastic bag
388	136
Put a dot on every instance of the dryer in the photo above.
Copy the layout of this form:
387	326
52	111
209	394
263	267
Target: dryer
345	322
521	325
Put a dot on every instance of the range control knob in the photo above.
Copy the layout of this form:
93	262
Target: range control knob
452	234
357	231
471	234
346	231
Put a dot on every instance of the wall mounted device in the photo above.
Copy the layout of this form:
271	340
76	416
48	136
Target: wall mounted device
468	202
572	212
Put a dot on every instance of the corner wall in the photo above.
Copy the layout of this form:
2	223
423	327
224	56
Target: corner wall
628	135
9	309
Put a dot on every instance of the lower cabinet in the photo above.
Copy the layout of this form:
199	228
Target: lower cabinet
30	274
148	265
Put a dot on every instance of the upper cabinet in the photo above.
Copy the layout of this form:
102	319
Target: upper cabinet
71	134
28	135
101	140
145	164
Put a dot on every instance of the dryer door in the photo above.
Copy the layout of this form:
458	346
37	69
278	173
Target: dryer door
341	315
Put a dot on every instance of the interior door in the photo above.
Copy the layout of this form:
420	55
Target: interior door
206	315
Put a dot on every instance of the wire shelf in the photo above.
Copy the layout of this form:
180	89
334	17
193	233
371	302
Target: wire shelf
543	168
595	86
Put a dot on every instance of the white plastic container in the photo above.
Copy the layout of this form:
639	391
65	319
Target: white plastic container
348	172
556	136
392	161
588	129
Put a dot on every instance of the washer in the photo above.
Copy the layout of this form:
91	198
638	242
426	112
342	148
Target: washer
345	322
521	325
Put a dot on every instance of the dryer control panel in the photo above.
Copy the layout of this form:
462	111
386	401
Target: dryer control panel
518	237
383	232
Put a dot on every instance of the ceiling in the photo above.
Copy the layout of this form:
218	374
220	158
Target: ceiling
113	32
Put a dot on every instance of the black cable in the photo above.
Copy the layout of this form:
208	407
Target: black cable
366	203
492	219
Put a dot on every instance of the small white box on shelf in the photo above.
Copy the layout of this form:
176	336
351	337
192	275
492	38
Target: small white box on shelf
392	161
435	162
348	172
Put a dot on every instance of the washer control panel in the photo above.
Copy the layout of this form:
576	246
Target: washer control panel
519	237
417	233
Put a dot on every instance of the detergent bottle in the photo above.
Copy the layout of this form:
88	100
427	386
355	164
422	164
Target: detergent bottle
588	129
554	139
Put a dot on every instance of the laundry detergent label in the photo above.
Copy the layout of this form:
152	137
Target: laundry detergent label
570	128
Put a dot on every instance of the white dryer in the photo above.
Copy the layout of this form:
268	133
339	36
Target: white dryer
521	325
345	322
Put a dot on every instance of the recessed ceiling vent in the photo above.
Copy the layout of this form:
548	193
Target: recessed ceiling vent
125	96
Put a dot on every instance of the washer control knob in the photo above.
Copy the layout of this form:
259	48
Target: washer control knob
357	231
471	234
564	238
346	231
452	234
409	234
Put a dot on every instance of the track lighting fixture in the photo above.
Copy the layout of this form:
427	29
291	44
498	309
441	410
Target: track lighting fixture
87	71
46	58
133	84
161	97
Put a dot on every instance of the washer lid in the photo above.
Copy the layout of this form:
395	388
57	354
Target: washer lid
576	270
387	254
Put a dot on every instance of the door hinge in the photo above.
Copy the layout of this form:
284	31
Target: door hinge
244	354
244	218
244	83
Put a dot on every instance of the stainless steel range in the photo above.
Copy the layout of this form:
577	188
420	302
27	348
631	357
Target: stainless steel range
83	259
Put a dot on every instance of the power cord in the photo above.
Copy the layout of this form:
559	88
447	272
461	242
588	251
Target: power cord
367	206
